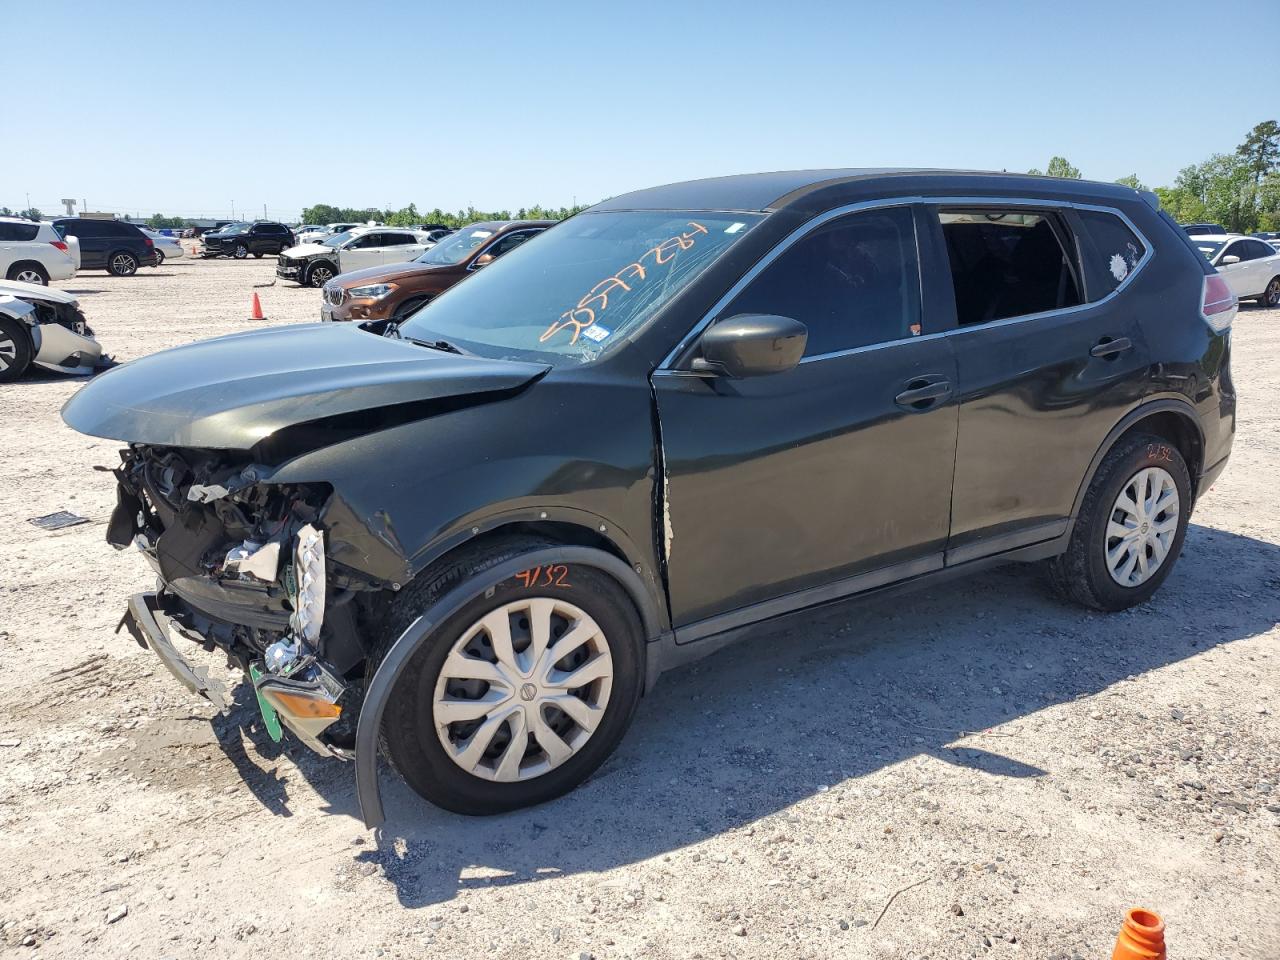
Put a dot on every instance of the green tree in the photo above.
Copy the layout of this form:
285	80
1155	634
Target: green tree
1132	181
31	213
1058	167
1181	204
1261	150
1224	184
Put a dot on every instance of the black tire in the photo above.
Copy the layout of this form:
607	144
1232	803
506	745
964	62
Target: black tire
1271	295
240	251
257	256
409	737
28	271
1080	574
15	350
403	310
318	274
122	263
159	258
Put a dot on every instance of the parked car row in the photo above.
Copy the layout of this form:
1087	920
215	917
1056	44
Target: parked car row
1250	266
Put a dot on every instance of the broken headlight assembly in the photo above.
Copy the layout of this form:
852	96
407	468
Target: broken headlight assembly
243	566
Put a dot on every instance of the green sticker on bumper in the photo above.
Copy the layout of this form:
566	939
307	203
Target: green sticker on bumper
269	715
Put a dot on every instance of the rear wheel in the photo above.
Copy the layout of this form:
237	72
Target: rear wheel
15	350
257	256
522	694
122	264
159	257
1271	296
1131	526
29	273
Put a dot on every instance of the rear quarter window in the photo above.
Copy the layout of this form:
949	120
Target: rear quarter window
1110	252
19	231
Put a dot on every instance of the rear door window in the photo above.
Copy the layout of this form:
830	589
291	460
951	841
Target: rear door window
1007	263
1110	251
18	231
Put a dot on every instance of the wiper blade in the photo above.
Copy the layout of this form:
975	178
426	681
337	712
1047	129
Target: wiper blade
443	345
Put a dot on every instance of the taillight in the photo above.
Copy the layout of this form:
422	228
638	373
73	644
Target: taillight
61	245
1218	305
150	242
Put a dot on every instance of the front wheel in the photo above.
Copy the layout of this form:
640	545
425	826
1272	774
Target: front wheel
522	694
15	350
320	274
1131	526
122	264
240	252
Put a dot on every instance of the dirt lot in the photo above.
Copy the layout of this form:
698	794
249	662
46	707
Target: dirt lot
767	803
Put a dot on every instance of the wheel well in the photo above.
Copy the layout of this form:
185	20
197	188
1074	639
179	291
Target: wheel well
1179	431
20	264
565	534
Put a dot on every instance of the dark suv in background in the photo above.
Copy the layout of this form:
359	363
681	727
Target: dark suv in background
241	239
111	245
685	412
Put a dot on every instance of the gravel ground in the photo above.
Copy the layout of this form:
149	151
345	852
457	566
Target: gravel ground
767	803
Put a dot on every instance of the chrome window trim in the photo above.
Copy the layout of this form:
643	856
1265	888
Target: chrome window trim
960	201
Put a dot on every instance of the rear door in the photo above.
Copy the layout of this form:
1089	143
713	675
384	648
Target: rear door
400	247
1049	355
16	243
786	490
93	241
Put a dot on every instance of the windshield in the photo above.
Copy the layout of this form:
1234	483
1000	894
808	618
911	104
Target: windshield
1209	248
579	287
337	240
459	246
236	228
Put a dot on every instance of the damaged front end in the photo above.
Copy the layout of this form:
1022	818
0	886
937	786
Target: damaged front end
243	567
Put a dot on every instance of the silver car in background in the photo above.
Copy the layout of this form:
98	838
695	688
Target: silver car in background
43	326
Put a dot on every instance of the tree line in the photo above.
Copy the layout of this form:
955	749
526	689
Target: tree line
323	213
1240	190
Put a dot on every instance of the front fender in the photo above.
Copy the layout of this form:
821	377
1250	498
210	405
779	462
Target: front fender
369	725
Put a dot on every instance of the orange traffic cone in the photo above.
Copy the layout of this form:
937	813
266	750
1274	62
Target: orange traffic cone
1141	937
257	309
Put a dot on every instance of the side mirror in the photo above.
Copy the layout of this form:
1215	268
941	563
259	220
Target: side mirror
1229	259
752	345
483	261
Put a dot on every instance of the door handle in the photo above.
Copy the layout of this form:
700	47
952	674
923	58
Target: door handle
1106	348
923	393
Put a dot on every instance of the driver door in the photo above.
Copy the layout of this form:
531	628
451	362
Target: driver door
794	488
364	251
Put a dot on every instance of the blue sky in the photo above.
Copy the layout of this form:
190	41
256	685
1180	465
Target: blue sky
184	107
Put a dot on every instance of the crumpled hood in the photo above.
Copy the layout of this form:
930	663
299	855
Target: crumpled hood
35	291
304	250
233	392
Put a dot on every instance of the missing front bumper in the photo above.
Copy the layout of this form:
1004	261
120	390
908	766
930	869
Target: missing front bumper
149	625
307	705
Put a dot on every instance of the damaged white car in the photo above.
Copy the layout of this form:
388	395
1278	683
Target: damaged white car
45	327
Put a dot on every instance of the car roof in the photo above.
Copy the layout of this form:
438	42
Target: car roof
1217	237
804	188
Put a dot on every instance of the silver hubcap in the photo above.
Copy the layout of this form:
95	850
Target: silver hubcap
1273	294
1143	523
523	689
8	352
123	263
241	253
322	276
29	276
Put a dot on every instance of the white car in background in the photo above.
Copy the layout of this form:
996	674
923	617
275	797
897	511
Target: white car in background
321	234
32	252
167	248
1250	266
43	326
315	264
